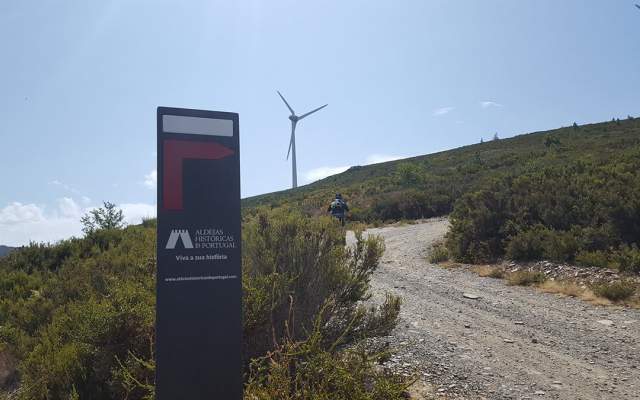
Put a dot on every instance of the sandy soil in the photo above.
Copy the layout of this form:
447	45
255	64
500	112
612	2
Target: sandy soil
510	342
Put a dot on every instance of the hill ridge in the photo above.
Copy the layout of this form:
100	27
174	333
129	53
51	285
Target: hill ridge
449	173
4	250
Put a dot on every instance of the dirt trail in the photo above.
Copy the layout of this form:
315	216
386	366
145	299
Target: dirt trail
511	342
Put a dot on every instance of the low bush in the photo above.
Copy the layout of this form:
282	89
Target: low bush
79	316
586	209
295	265
300	370
540	242
627	258
438	253
525	278
527	245
596	258
560	246
615	291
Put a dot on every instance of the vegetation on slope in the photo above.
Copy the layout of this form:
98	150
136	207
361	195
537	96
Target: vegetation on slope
77	318
567	195
586	211
429	185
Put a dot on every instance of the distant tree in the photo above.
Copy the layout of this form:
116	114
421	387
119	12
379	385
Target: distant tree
617	121
575	126
495	136
106	217
629	117
481	140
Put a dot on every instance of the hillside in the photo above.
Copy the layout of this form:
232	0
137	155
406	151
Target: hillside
428	185
4	250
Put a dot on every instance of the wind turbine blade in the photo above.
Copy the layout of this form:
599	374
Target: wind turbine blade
638	5
285	102
311	112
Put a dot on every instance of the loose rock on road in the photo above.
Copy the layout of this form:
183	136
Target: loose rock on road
476	338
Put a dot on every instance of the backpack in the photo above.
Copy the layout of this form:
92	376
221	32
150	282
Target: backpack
337	205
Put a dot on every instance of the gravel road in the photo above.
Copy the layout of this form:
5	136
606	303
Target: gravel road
510	342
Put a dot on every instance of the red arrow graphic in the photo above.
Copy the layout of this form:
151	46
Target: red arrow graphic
175	152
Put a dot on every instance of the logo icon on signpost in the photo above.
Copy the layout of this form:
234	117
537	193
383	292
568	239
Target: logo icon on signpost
181	234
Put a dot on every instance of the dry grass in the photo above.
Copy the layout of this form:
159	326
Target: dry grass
487	271
525	278
450	265
571	289
564	287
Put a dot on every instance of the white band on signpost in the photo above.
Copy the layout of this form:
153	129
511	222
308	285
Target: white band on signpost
197	125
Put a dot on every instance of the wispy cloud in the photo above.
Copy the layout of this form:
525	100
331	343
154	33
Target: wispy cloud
65	186
380	158
442	111
322	172
151	179
488	104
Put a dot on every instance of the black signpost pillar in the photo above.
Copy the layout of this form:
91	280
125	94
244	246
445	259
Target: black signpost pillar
199	290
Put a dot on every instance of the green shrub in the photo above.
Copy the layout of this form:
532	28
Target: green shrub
438	253
555	213
527	245
295	265
526	278
596	258
309	370
560	246
79	316
627	258
615	291
409	205
476	233
540	242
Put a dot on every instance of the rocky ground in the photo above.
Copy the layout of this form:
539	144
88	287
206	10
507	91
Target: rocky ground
566	272
476	338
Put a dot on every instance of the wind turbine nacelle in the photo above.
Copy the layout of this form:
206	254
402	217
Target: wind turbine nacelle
293	118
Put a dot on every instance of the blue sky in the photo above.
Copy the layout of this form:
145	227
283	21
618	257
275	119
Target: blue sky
80	82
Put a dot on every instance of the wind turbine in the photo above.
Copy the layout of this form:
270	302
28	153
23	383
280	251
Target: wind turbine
292	142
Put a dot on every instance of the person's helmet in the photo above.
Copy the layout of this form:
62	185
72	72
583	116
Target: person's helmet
338	196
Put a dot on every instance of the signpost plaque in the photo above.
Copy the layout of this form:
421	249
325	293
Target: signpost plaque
199	290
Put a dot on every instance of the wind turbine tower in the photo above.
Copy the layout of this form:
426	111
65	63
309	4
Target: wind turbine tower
292	142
